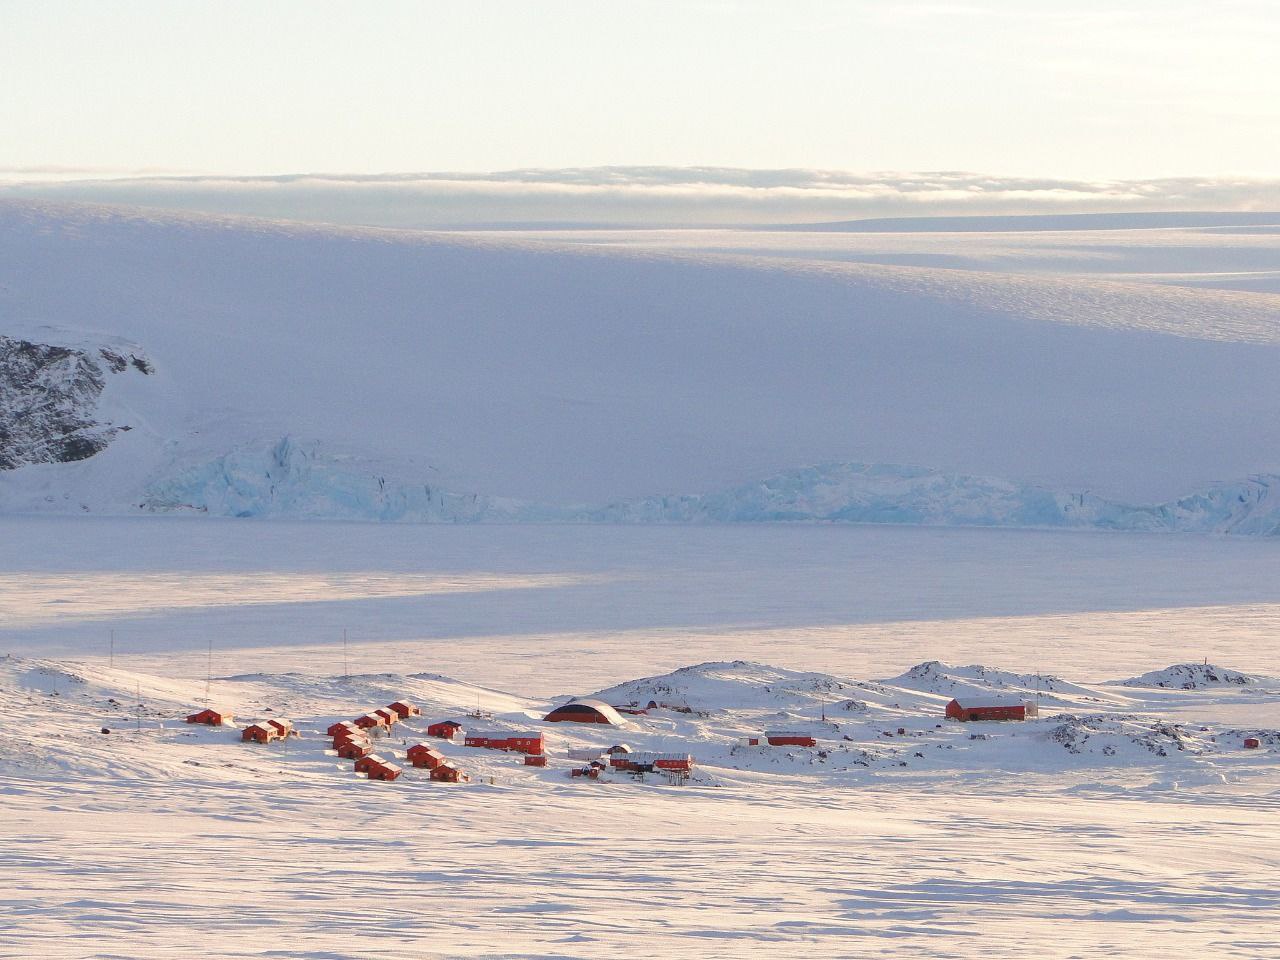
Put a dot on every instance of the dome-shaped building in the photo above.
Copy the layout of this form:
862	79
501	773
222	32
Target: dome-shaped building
585	711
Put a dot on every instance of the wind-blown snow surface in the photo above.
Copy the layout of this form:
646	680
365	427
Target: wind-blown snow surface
1124	819
461	371
1101	828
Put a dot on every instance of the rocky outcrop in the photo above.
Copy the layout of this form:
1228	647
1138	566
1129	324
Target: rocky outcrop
49	397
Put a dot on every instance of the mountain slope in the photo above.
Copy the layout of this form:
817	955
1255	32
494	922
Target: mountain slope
523	371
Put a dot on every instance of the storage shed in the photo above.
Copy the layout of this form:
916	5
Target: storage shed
539	761
425	756
584	711
210	717
1252	743
987	707
403	709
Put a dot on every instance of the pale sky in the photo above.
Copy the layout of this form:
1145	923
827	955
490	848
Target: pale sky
1086	89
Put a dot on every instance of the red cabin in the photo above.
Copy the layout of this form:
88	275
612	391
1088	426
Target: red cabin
368	761
354	750
370	721
259	733
211	718
383	771
535	761
336	728
388	716
1252	743
444	729
789	738
991	708
422	755
344	736
404	710
284	727
448	773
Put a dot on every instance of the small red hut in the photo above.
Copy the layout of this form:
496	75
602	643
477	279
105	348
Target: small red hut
369	760
344	736
335	728
354	749
369	721
987	707
425	756
383	771
1252	743
448	773
283	727
211	718
388	716
262	732
444	729
535	761
404	709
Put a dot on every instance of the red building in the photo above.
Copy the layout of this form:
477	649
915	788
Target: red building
991	708
422	755
674	761
369	721
448	773
444	729
259	733
789	738
354	749
388	716
212	718
404	710
1252	743
528	743
584	711
539	761
383	771
343	735
365	763
335	728
283	727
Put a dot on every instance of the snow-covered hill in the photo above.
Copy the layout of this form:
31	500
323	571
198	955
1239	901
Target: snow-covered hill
306	371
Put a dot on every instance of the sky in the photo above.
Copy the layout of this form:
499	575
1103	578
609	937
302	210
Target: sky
1088	91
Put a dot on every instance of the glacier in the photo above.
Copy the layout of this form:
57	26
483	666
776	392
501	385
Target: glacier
300	479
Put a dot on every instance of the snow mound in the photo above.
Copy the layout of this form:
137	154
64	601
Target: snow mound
943	679
714	686
1190	676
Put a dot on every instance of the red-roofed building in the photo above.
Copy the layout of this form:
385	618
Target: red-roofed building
354	749
789	738
991	708
383	771
259	733
448	773
444	729
404	709
425	756
210	717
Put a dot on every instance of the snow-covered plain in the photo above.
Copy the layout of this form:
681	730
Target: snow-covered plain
1128	815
